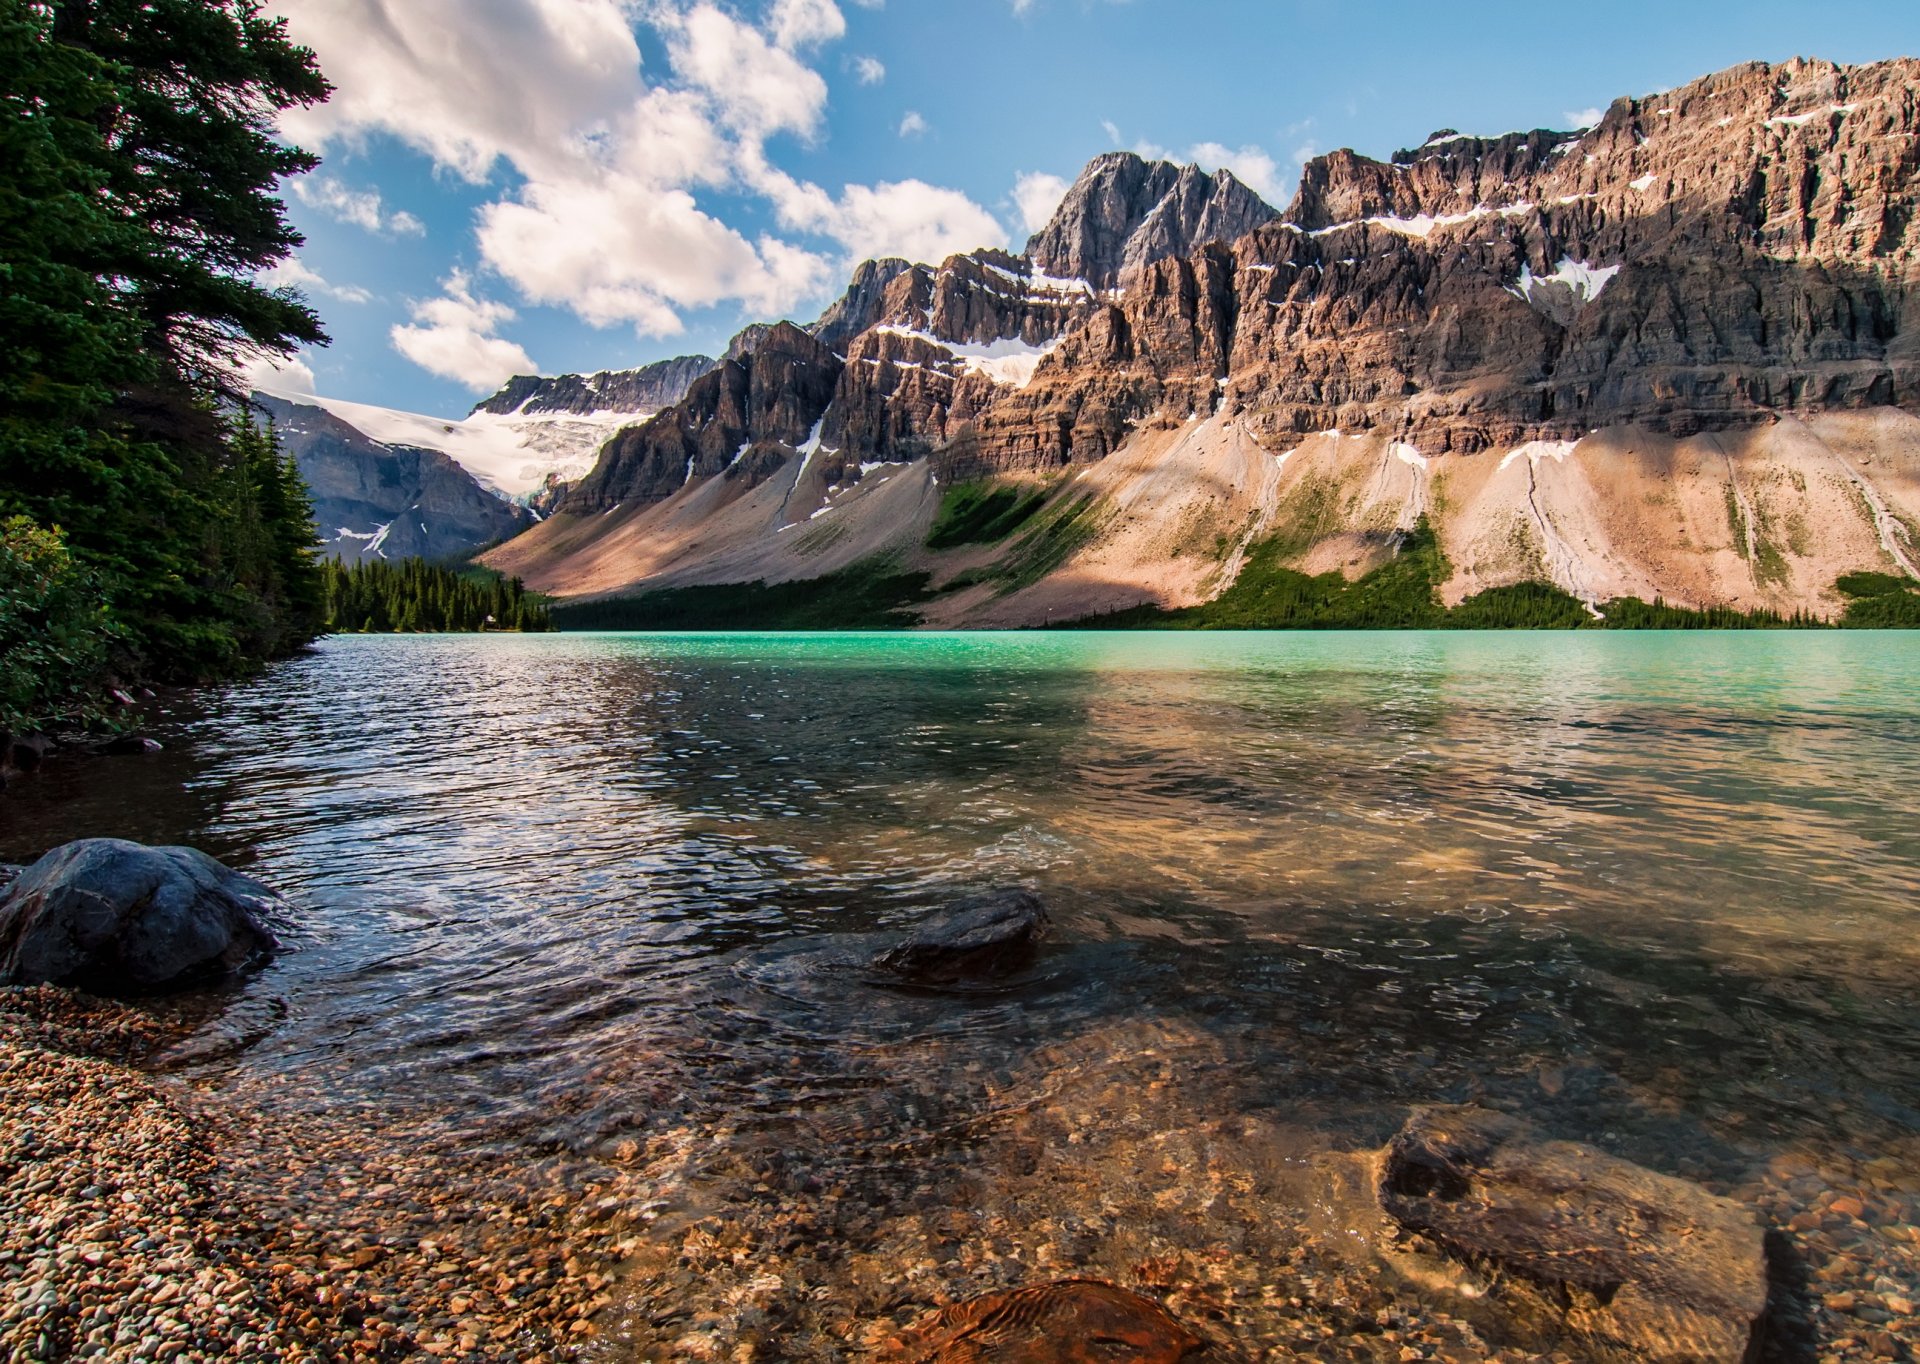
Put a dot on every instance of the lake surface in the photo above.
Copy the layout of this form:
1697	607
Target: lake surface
590	898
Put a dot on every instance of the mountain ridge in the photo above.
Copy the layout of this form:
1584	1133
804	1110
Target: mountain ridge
1711	261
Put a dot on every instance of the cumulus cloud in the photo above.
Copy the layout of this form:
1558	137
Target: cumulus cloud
362	208
795	24
283	376
907	218
1584	118
293	273
755	87
913	125
869	70
623	250
467	85
1037	195
601	213
454	336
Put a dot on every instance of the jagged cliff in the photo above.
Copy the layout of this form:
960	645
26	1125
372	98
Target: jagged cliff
1558	347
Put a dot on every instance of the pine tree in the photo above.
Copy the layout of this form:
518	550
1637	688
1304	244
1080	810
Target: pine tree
136	208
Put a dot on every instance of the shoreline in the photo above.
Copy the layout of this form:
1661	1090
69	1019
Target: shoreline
147	1219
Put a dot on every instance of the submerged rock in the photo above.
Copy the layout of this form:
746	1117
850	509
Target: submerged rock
114	917
985	936
1637	1261
1073	1321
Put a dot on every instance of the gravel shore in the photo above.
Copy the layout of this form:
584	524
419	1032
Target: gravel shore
136	1224
145	1219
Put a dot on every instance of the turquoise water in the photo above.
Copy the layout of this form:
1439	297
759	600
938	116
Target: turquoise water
1657	891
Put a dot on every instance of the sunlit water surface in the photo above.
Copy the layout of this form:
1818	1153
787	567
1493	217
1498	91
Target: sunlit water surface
1658	891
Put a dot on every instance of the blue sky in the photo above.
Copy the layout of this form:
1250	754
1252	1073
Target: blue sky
568	185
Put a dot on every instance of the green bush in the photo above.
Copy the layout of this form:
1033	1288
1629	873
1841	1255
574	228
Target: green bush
56	638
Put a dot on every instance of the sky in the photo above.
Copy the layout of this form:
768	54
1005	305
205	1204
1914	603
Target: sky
560	186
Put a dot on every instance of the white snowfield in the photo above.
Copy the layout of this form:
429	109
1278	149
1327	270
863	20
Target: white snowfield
1009	360
512	454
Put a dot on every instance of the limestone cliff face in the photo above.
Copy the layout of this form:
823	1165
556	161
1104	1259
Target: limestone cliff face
740	419
1738	249
1694	270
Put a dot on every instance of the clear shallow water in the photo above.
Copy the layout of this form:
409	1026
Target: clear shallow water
558	893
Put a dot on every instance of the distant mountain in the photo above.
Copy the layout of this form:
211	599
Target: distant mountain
627	391
1675	354
376	499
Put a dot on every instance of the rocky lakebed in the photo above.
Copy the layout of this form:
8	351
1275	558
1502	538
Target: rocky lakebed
1118	1197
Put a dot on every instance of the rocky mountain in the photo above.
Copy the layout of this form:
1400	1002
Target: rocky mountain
647	389
1124	213
374	500
1674	354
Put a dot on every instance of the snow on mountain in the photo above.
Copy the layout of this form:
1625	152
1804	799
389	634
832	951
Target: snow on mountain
515	454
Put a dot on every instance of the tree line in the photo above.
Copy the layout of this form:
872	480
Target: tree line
414	596
149	530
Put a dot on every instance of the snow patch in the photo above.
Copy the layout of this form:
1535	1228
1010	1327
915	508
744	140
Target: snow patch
1644	183
1584	281
1536	450
1424	224
1408	455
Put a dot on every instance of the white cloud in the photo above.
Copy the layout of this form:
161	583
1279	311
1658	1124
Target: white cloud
1037	195
1305	152
454	337
600	214
805	23
625	250
913	219
869	70
465	84
359	207
908	218
913	125
284	376
1584	118
756	88
293	273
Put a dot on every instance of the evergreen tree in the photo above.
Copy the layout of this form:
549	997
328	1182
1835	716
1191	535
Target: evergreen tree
136	210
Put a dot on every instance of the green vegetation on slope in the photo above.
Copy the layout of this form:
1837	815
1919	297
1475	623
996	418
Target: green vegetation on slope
137	209
1880	601
871	595
1404	593
414	596
982	514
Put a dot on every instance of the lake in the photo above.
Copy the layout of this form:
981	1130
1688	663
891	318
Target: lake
586	902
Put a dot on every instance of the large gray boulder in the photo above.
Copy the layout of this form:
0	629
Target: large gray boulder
118	918
984	937
1640	1263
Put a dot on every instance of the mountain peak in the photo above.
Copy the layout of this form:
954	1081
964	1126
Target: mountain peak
1124	212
